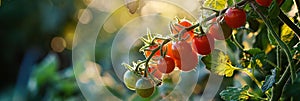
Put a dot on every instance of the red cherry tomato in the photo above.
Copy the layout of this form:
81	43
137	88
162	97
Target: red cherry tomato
166	65
186	58
204	44
184	23
264	3
235	17
168	48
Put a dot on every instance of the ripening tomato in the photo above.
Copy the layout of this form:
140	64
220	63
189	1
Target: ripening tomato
186	58
204	44
130	79
264	3
168	48
235	17
144	87
184	23
154	71
219	29
166	65
180	48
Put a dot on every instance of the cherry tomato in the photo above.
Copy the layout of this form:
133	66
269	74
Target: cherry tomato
184	23
264	3
180	48
154	71
186	58
166	65
130	79
144	87
168	48
219	29
235	17
204	44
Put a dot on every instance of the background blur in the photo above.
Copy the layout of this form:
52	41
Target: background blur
36	46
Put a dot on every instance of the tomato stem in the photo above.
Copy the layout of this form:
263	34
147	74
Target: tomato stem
241	3
288	22
152	54
251	76
182	31
138	65
216	11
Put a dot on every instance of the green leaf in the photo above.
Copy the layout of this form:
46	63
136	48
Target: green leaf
215	4
254	51
287	34
235	94
274	10
287	5
219	63
229	2
269	81
271	38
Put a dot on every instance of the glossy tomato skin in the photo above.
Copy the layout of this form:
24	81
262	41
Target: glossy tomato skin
180	48
144	87
184	23
130	79
219	29
204	44
166	65
264	3
186	58
235	17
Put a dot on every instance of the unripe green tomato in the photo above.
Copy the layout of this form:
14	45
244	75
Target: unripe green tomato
144	87
130	79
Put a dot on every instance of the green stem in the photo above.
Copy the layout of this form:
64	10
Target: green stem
241	3
278	40
181	32
251	76
272	64
138	65
152	54
237	43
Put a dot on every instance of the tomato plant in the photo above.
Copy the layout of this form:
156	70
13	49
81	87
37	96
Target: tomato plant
269	59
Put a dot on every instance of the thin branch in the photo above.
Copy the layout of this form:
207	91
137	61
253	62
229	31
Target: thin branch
243	2
289	23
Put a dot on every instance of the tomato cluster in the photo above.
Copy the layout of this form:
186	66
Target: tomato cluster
180	50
